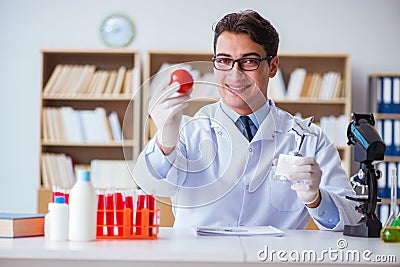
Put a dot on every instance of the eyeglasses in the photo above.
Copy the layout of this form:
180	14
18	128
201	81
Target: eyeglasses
245	63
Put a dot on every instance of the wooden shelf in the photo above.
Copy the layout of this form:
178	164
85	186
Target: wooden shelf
126	106
387	201
340	101
82	97
111	144
386	116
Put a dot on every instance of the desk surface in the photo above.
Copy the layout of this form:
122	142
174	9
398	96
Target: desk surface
179	247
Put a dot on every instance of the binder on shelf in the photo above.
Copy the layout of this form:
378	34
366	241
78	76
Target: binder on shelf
386	102
396	95
396	138
387	132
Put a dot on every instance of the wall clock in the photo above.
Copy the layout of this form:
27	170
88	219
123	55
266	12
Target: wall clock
117	31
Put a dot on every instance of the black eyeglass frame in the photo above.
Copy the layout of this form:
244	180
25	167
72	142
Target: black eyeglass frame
268	58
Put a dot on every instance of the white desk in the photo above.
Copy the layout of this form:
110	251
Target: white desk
182	247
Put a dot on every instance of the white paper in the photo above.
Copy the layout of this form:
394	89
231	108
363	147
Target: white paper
239	231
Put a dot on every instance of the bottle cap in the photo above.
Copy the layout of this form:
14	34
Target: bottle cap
83	175
59	199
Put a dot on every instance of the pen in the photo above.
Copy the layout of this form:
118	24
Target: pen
221	229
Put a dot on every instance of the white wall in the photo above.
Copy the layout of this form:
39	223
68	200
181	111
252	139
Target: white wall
366	29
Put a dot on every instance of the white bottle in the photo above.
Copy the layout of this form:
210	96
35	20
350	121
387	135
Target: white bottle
47	221
58	211
82	209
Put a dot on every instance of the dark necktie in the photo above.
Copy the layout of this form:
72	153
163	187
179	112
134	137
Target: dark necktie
245	120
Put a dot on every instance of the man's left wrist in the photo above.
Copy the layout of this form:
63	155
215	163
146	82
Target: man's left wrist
316	202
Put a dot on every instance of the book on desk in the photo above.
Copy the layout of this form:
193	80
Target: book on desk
21	225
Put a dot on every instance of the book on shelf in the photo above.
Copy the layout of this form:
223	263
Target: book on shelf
119	81
21	225
71	125
315	84
324	86
127	87
53	79
74	80
295	83
330	85
115	126
276	86
305	89
111	82
57	170
65	124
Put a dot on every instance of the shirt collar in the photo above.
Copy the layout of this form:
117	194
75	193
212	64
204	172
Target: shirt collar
257	117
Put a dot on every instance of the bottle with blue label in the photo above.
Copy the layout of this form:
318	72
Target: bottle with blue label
82	209
58	211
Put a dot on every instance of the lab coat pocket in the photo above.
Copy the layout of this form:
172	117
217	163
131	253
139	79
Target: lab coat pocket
283	198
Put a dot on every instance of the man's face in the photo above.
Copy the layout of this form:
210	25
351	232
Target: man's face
243	91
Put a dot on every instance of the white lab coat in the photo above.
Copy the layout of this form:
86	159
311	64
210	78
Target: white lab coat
216	177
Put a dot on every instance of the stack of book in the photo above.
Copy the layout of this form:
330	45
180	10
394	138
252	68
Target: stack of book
65	124
57	170
326	86
77	80
21	225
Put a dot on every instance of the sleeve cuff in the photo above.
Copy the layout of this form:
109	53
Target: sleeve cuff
327	214
157	162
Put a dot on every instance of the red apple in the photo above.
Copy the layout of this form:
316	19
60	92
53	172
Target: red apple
184	78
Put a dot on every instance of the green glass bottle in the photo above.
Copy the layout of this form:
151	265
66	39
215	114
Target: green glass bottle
391	231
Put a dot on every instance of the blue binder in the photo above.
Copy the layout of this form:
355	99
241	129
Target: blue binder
386	95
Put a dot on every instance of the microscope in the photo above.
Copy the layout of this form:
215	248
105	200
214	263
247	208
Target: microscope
368	147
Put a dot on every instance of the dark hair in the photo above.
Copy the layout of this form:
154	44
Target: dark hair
251	23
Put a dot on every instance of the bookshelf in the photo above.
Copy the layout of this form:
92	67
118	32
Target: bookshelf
384	103
288	62
90	132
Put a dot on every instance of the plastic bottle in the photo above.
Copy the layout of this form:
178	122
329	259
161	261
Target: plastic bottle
82	209
47	221
58	228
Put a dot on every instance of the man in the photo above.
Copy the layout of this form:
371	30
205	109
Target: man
218	167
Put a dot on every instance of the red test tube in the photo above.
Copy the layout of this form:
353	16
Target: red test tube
119	213
129	205
101	213
109	205
140	206
152	207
